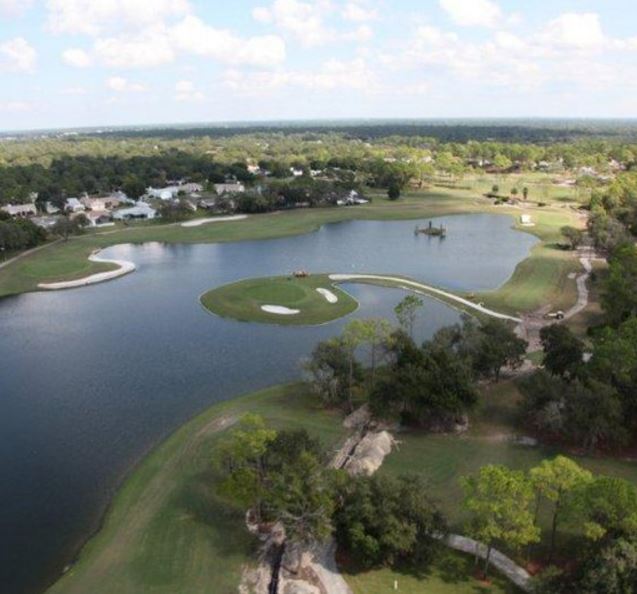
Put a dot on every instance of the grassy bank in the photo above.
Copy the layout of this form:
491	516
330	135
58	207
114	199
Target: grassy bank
166	531
243	300
68	260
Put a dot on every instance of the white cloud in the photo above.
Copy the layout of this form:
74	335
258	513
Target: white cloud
185	91
15	106
92	17
473	13
575	30
333	74
17	55
76	57
194	36
359	12
122	85
74	91
14	7
150	48
303	20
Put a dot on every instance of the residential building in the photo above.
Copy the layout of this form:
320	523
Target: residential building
140	211
73	205
230	188
20	211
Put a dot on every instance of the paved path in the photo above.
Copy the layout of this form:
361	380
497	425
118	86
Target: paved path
124	268
586	257
516	574
427	289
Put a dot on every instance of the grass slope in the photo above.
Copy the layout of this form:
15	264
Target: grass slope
243	300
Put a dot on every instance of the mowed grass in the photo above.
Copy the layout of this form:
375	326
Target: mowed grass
452	573
166	531
243	300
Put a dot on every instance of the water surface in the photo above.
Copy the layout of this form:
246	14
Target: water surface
91	378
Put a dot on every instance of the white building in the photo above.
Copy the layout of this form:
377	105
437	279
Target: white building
140	211
230	188
171	192
20	210
74	205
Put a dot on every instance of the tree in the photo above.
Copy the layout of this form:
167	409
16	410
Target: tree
333	371
133	187
383	521
563	351
611	570
406	312
525	192
556	480
375	333
428	386
498	347
573	235
619	297
300	496
499	500
65	227
241	459
495	188
607	507
514	191
393	192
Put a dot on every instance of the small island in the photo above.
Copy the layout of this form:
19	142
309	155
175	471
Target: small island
297	299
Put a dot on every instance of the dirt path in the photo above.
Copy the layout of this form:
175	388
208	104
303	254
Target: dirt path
531	324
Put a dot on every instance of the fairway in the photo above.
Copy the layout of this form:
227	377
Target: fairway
245	300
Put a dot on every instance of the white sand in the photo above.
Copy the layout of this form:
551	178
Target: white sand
199	222
280	310
328	295
124	268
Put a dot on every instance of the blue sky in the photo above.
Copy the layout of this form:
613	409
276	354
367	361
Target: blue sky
67	63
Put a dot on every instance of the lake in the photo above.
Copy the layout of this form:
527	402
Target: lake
92	378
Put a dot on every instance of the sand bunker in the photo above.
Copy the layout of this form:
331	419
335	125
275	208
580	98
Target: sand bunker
124	268
280	310
331	298
198	222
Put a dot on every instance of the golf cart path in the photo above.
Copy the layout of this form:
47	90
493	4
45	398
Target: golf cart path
428	289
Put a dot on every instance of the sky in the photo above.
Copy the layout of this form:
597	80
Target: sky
72	63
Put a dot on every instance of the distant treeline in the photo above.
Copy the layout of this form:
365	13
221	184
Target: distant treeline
538	132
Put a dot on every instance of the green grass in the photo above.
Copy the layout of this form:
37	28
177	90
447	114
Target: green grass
166	532
243	300
451	574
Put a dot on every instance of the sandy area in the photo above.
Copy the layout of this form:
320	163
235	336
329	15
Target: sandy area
280	310
199	222
328	295
124	268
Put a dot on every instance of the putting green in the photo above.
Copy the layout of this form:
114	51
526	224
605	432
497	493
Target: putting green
297	298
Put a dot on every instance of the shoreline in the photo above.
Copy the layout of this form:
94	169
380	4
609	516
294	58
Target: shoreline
124	267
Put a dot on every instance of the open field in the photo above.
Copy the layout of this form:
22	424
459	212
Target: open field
166	532
243	300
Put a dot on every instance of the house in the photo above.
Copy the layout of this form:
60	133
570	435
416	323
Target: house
20	211
171	192
99	218
230	188
254	169
140	211
45	222
98	204
207	203
51	209
296	172
73	205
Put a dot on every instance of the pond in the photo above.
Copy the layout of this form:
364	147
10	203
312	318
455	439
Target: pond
91	378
